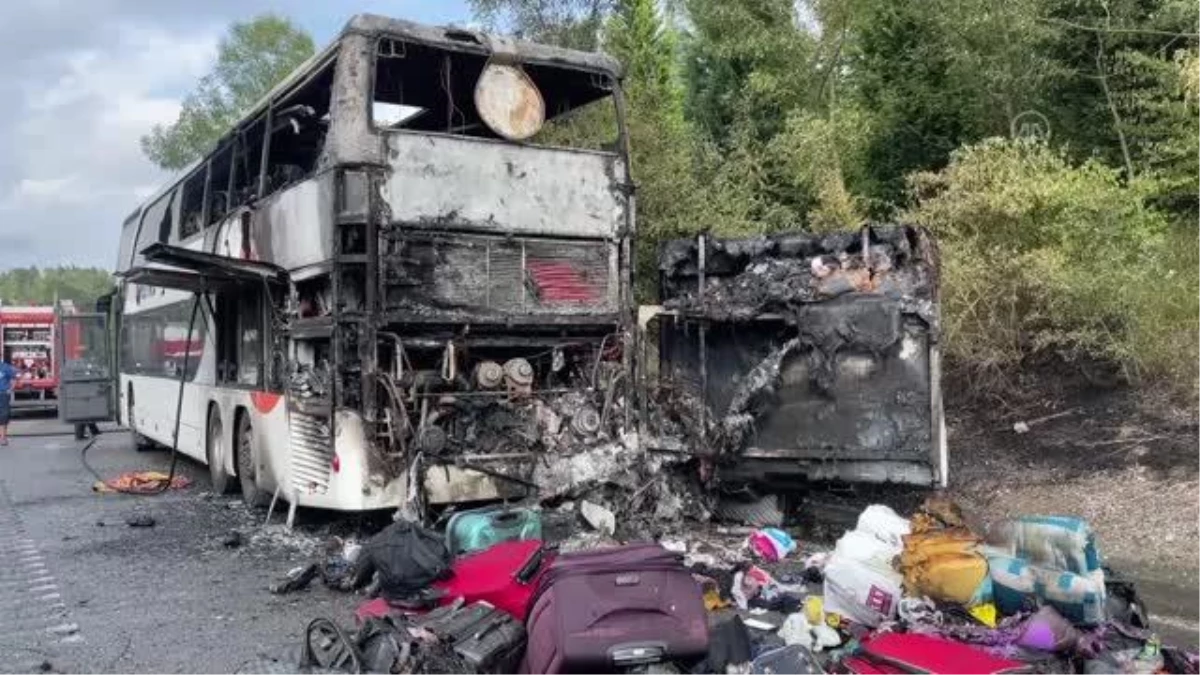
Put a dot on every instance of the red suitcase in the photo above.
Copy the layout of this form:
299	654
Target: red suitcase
504	576
492	576
920	653
600	610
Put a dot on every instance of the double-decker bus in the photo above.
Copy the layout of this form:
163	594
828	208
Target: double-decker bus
409	270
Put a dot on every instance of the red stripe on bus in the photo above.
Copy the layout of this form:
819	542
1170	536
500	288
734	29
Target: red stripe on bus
264	401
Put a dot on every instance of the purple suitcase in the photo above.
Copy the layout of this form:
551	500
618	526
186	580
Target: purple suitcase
596	611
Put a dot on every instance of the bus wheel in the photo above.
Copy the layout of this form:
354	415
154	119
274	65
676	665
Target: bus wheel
246	467
222	482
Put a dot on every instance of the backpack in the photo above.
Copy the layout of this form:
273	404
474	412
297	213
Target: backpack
408	559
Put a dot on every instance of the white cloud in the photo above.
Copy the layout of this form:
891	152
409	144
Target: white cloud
85	79
75	167
49	188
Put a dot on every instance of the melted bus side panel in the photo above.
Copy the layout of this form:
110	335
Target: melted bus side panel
809	355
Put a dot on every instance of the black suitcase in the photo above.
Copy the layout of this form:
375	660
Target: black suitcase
488	639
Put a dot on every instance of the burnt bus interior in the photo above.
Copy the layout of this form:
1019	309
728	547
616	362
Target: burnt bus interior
459	343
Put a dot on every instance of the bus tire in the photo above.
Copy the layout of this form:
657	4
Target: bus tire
140	442
247	470
222	482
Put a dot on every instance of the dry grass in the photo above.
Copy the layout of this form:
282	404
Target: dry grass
1140	520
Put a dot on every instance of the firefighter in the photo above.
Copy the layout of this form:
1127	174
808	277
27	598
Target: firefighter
8	375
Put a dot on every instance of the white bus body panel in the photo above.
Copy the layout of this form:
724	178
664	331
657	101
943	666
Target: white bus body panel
517	189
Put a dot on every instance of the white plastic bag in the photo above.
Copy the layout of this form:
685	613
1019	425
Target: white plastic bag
884	524
866	549
796	631
861	592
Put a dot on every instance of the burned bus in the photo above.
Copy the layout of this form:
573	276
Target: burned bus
802	356
392	283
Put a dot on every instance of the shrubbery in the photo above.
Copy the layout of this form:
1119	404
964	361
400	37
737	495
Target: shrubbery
1041	254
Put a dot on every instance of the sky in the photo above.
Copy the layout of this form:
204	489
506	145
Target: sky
85	79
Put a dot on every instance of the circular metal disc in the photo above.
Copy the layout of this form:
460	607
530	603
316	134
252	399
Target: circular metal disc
509	103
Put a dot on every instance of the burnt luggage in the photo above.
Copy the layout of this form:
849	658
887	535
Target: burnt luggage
408	558
597	611
484	637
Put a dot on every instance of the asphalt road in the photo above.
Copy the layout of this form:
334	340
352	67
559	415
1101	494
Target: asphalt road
81	591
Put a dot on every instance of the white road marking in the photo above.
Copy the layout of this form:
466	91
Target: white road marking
32	611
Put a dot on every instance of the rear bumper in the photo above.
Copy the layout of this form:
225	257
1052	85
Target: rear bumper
34	399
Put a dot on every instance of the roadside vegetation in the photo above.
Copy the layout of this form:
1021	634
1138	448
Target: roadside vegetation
33	286
1050	144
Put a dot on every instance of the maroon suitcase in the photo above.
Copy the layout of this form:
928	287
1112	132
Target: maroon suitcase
596	611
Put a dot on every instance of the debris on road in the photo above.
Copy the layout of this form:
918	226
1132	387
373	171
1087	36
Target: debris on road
140	482
922	593
296	579
600	518
233	539
141	520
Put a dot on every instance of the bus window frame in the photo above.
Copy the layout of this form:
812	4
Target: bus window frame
614	96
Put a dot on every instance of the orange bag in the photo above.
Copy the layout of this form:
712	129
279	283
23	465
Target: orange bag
944	565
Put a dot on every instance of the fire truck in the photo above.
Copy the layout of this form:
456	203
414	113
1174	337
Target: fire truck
27	341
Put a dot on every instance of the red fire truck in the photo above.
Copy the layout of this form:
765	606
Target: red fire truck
27	340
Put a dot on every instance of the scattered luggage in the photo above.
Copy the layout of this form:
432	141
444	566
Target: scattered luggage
600	610
1018	584
860	582
480	529
505	575
407	557
486	638
789	659
945	565
917	607
1056	542
918	653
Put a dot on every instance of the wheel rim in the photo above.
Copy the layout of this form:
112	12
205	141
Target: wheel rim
216	453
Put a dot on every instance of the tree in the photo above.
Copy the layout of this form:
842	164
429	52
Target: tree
31	285
670	202
566	23
747	63
253	57
935	75
1042	254
1126	99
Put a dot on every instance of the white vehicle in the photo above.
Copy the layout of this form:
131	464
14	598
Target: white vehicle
383	260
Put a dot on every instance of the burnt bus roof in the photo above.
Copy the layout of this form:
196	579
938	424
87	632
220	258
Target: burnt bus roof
476	42
448	38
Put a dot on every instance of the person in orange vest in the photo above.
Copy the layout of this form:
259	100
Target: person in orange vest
8	375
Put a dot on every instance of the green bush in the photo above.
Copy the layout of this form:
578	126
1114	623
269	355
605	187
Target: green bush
1041	255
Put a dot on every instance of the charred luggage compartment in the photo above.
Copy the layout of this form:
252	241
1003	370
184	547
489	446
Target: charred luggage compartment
808	355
